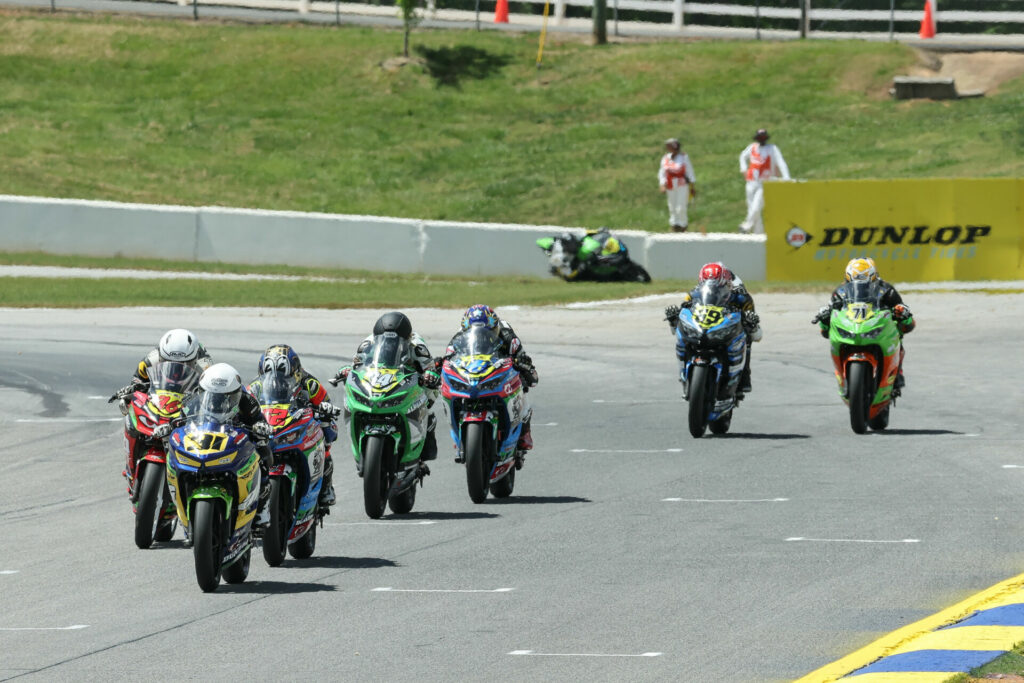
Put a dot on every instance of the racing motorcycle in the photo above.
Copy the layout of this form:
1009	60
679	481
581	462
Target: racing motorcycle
145	460
715	344
579	258
214	475
866	354
388	414
486	409
297	474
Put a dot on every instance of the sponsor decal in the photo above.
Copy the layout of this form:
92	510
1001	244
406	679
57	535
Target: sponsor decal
797	237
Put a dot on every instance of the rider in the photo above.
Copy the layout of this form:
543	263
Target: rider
484	316
740	300
422	362
221	391
176	345
864	270
282	360
611	252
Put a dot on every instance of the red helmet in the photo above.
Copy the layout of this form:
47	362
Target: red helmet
714	272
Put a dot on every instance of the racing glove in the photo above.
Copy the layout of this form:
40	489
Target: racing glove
430	379
124	392
751	320
341	377
327	410
823	314
672	314
900	312
262	430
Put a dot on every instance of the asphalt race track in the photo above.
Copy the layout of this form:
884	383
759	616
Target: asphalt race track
588	560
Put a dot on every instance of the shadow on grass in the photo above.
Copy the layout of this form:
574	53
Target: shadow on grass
747	435
274	587
449	65
537	500
340	563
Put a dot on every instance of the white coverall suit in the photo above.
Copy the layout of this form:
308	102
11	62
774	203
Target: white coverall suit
676	175
758	163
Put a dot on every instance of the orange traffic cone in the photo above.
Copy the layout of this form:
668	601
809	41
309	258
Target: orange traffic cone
928	22
501	12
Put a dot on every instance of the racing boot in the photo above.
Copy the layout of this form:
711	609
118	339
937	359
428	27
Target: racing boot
429	451
525	438
327	497
745	386
262	520
897	388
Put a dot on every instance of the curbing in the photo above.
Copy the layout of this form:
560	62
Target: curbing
253	236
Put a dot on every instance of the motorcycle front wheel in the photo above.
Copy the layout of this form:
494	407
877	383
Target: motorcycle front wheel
698	417
858	381
476	469
375	478
208	543
151	503
275	538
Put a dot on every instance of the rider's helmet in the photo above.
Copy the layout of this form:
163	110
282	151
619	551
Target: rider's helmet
861	270
761	136
280	359
715	273
479	314
393	322
222	387
178	345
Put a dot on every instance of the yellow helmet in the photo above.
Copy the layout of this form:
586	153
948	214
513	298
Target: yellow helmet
861	270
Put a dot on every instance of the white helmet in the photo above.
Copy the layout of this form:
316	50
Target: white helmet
179	345
222	388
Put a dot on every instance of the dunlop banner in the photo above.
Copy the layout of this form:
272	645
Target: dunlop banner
922	230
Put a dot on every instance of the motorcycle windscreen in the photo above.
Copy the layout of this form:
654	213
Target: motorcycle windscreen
476	341
388	350
180	378
275	388
861	292
713	294
208	407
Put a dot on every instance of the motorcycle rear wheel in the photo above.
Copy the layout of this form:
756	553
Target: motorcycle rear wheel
698	417
238	571
721	425
476	468
880	421
401	503
858	381
275	538
150	505
638	274
503	487
303	548
375	478
207	543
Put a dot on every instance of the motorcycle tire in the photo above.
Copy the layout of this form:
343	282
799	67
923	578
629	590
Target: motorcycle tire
880	421
208	543
303	548
375	478
638	274
476	466
401	503
165	530
721	425
698	415
503	487
275	538
150	505
238	571
858	381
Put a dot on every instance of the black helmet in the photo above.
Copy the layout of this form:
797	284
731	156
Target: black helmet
761	135
393	322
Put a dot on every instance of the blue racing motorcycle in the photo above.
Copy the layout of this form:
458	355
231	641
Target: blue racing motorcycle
711	338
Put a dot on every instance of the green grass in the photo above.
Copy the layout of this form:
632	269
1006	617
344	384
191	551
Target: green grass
1010	663
306	118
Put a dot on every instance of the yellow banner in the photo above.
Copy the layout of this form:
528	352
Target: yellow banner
923	230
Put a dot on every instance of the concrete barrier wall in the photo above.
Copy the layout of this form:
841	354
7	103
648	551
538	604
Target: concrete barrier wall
212	234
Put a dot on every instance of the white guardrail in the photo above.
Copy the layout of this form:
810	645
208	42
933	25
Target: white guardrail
215	234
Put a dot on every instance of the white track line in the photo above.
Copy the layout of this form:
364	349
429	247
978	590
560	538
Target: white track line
724	500
636	401
531	653
604	450
1013	467
547	424
132	274
47	628
389	589
851	540
421	522
9	571
37	420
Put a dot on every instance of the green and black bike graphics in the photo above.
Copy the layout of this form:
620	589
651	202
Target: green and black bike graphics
388	415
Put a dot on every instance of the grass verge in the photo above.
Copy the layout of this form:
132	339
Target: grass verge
318	118
1010	663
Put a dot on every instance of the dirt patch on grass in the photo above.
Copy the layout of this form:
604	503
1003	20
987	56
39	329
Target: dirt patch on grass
984	71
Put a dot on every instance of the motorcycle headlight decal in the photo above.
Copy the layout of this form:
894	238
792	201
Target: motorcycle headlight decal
872	334
722	332
844	333
225	460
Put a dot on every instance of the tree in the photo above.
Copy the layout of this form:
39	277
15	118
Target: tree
410	18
